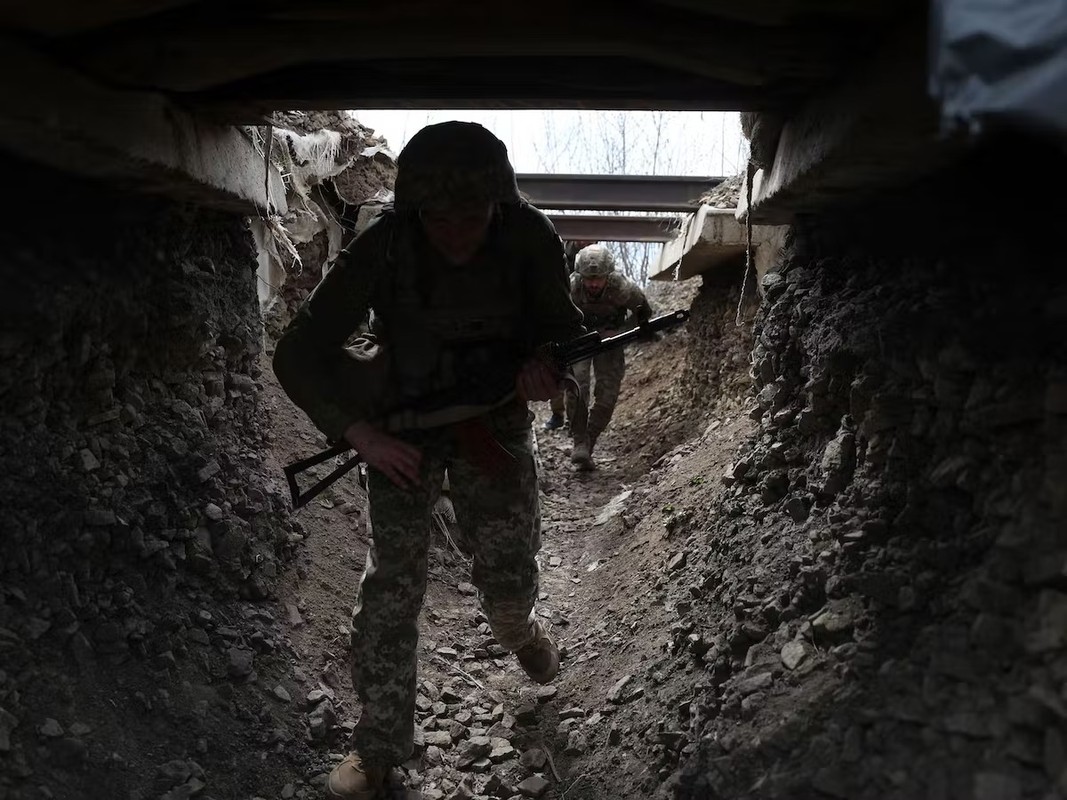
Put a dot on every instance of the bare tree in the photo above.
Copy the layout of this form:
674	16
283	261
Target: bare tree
638	143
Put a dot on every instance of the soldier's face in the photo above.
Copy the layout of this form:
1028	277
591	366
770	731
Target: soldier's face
457	232
595	284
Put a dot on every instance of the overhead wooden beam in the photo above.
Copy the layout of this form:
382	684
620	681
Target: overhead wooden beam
434	86
200	57
785	12
62	119
64	17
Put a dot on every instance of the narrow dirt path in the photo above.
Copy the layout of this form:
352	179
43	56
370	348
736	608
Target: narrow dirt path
484	729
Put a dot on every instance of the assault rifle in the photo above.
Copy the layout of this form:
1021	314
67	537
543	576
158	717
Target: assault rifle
561	354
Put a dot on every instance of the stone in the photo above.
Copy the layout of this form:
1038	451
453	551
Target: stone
838	462
473	750
794	652
797	509
756	683
208	471
576	744
526	714
545	693
621	691
534	759
996	786
833	625
89	462
534	786
240	662
502	750
442	739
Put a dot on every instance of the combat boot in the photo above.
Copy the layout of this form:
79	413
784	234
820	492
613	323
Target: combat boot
540	658
582	454
554	422
353	780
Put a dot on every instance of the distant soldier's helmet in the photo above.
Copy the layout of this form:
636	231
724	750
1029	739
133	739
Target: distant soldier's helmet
594	261
453	163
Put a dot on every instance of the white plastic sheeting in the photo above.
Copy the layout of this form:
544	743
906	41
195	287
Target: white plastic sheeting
305	161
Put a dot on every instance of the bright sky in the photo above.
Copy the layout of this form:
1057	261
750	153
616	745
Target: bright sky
592	142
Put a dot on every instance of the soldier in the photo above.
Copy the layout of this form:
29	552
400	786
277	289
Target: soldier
558	404
604	296
467	281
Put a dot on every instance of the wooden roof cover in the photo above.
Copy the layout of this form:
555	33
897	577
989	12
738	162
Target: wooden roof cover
241	60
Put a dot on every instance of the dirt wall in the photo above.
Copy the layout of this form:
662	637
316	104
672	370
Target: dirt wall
130	452
887	575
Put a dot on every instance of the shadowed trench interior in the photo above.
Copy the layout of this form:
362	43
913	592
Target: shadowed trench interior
823	554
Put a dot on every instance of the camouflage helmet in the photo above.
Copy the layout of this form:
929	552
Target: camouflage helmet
594	261
453	163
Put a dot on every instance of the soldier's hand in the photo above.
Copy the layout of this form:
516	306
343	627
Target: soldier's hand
537	380
396	459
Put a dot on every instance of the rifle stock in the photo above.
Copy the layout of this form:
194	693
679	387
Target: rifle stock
562	354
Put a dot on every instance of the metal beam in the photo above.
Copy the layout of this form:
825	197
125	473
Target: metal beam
614	228
615	192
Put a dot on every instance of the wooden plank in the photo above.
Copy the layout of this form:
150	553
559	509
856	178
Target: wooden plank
64	17
496	84
787	12
198	57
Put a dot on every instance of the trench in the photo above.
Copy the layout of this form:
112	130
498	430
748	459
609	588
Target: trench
823	554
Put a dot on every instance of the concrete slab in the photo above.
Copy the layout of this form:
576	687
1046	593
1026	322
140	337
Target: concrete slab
713	239
58	117
879	128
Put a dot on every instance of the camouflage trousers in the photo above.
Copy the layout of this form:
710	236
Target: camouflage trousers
605	371
558	404
493	487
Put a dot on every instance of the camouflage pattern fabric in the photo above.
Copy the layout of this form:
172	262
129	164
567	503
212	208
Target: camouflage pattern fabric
605	372
307	356
558	404
607	310
594	260
500	511
607	313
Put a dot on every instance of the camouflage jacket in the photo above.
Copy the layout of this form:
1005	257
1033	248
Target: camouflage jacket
452	336
607	311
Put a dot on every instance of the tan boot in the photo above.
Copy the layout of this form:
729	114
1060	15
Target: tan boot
540	658
352	780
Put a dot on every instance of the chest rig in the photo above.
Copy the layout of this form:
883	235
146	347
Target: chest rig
452	333
603	311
